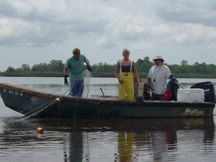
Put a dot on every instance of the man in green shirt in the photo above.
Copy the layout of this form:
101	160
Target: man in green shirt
74	66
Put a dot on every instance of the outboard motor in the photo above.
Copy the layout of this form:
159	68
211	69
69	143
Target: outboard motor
209	90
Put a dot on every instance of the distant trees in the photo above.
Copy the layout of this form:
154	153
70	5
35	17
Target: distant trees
144	65
103	69
196	68
42	67
10	69
24	67
53	66
184	63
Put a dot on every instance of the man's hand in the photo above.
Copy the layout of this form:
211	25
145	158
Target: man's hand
89	67
121	81
65	80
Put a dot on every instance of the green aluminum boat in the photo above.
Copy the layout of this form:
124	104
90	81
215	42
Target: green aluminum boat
34	103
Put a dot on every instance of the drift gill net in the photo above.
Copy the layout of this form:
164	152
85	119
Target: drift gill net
37	105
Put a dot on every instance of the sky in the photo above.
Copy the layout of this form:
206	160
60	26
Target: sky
38	31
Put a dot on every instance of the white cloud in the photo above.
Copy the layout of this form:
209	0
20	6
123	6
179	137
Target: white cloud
55	21
105	43
97	25
212	46
15	28
142	46
61	19
194	33
188	11
161	29
41	23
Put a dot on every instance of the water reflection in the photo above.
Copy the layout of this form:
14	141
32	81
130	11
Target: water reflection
125	146
110	140
76	147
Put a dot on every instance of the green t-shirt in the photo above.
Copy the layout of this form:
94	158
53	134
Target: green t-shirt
75	67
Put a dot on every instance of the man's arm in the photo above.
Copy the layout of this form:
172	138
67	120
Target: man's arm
65	71
88	63
149	82
88	66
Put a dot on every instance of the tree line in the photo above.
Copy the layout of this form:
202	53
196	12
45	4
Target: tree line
55	68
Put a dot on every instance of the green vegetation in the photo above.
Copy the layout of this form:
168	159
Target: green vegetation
55	69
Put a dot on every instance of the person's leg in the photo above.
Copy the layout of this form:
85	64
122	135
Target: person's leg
130	89
157	97
130	86
73	87
121	91
154	96
80	88
161	97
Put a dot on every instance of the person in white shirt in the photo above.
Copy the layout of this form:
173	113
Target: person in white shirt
157	78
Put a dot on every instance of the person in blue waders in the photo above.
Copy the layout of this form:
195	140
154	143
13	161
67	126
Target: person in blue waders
74	66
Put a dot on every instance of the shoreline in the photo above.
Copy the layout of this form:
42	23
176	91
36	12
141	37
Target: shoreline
97	74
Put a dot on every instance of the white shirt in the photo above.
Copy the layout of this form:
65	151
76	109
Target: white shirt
159	76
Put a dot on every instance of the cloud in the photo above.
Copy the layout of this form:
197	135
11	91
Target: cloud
17	32
188	11
194	33
212	46
161	29
47	22
41	23
105	43
142	46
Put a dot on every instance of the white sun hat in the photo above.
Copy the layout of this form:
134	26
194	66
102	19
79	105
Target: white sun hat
158	58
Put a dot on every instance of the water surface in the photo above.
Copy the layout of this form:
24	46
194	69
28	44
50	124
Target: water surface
69	140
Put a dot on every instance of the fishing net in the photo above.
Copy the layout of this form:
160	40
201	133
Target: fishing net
87	74
30	107
36	105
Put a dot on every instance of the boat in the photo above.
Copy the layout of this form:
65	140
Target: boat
32	103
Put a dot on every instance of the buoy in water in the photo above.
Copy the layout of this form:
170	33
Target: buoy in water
40	130
57	100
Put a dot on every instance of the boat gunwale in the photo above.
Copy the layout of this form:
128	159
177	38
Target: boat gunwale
104	101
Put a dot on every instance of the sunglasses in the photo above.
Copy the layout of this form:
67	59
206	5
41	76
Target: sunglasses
76	53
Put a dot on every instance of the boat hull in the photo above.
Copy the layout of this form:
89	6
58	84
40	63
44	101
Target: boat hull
39	104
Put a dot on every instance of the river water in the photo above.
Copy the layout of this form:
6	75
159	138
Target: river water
68	140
